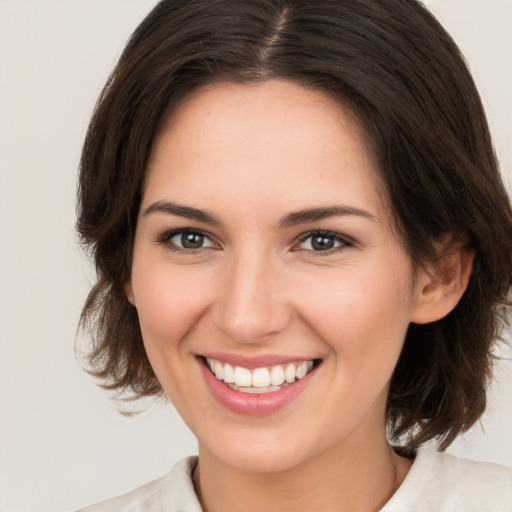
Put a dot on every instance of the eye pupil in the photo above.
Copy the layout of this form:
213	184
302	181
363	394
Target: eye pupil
192	240
322	242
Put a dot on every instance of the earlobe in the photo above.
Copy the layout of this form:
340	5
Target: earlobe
128	290
440	286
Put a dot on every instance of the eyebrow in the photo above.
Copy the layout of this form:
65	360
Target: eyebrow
316	214
289	220
188	212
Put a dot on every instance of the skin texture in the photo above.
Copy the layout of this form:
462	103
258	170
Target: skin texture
250	156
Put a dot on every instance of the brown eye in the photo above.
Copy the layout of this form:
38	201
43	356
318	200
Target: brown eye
320	241
191	240
186	240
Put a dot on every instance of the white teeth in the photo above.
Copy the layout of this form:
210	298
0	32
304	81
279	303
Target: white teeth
289	373
242	376
256	391
277	375
259	380
229	374
303	369
218	369
300	371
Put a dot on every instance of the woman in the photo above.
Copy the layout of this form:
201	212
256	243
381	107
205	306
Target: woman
302	239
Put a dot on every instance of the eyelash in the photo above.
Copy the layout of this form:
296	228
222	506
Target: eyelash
165	240
344	242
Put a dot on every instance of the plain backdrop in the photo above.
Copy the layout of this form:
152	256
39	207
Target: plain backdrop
62	442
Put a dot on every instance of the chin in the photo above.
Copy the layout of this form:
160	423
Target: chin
262	462
264	455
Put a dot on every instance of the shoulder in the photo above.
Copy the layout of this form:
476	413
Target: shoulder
444	482
173	491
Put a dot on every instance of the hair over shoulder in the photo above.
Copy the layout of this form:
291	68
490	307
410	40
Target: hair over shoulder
393	65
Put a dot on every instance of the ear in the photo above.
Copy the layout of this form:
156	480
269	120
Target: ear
128	290
440	285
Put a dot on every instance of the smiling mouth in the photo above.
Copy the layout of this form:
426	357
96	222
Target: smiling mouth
260	380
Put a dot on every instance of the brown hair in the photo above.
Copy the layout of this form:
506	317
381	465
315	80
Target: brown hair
403	76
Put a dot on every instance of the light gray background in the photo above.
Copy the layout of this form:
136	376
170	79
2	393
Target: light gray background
62	443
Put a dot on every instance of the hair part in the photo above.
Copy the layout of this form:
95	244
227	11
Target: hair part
427	130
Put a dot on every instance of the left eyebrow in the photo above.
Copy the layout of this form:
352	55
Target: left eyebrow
316	214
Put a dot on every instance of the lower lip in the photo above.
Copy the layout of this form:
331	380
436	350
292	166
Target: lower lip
253	404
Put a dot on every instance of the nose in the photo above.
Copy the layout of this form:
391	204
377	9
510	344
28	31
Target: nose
251	305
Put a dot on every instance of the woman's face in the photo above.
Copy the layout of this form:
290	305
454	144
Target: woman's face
263	243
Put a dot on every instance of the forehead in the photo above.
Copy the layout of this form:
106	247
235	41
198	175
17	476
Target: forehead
263	141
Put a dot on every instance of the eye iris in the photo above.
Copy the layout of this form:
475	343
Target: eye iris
192	240
322	242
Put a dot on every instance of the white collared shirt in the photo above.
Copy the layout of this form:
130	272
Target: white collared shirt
436	482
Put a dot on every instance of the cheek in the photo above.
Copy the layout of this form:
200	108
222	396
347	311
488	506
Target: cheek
363	314
169	302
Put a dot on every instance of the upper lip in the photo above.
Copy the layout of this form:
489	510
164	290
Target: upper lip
252	362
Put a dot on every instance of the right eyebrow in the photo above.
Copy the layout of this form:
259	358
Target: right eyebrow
171	208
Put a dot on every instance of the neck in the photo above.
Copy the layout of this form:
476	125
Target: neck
341	478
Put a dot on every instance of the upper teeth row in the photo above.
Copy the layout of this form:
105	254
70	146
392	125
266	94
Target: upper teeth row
259	377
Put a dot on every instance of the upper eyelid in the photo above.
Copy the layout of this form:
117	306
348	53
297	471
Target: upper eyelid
166	235
334	234
169	233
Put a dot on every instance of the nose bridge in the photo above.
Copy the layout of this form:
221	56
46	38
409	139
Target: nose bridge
251	306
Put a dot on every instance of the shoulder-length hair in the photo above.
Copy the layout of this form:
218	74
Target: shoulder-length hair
402	75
